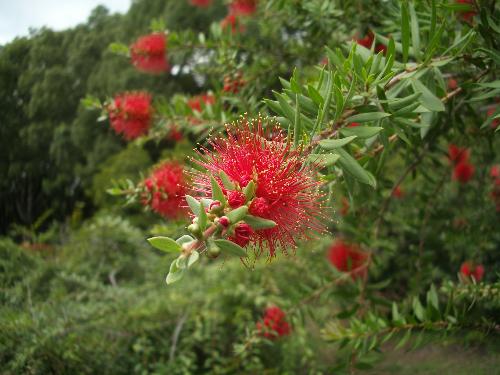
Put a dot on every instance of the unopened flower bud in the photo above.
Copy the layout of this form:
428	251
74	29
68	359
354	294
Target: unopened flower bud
236	198
215	207
213	251
194	229
242	233
224	221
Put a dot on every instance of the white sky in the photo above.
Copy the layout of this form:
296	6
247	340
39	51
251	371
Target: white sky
17	16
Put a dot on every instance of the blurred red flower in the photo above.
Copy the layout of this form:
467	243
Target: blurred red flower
349	258
467	15
458	154
368	40
494	124
463	172
165	189
469	269
273	324
398	192
148	53
195	102
243	7
286	189
130	114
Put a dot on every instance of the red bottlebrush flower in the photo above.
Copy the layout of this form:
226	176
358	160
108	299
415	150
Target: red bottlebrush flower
286	190
496	122
398	192
242	234
452	84
368	40
469	269
195	102
130	114
201	3
467	15
463	172
348	258
274	324
458	154
243	7
233	21
165	190
353	124
236	198
148	53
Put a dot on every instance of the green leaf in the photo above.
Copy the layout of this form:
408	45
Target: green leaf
351	166
184	239
369	116
165	244
415	32
324	160
175	273
238	214
217	194
202	218
193	204
418	309
226	181
258	223
193	258
114	191
229	247
249	190
405	31
315	95
362	131
297	128
330	144
119	48
428	99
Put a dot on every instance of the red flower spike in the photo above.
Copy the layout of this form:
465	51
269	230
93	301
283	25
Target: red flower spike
195	102
242	234
201	3
468	269
166	188
290	193
273	324
348	258
243	7
148	53
130	114
463	172
458	154
236	198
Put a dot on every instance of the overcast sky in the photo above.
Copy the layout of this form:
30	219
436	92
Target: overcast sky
17	16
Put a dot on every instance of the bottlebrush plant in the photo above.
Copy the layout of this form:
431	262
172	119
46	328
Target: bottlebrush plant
271	164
